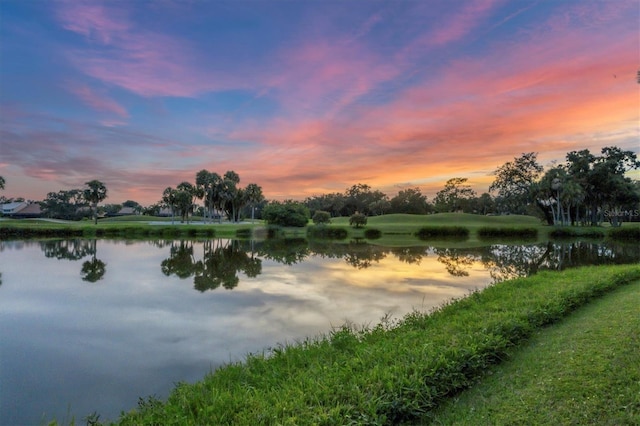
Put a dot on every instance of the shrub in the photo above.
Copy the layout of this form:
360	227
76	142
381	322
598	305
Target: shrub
288	213
320	217
627	234
574	233
372	234
358	220
428	232
489	232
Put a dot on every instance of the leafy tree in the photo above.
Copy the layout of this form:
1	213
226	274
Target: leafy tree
184	199
603	182
515	182
409	201
153	209
380	207
332	203
358	219
484	204
360	198
68	205
111	209
454	193
562	194
287	213
95	193
2	182
321	217
137	208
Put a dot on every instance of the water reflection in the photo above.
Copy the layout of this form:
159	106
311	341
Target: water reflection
143	329
220	262
92	270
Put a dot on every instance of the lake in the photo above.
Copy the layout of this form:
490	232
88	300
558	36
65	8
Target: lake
92	325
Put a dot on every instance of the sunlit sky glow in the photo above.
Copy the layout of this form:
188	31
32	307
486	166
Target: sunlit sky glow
307	97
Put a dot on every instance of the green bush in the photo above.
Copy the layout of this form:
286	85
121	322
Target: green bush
320	217
489	232
575	233
372	234
625	234
358	220
430	232
288	213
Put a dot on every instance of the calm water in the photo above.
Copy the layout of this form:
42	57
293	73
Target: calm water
94	325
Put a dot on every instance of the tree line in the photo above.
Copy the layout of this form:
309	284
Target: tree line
586	189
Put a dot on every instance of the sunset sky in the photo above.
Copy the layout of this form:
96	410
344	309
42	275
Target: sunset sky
307	97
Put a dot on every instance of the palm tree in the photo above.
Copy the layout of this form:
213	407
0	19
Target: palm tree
253	194
95	192
203	189
169	199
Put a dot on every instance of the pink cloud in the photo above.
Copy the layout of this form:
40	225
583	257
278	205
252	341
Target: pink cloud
461	23
144	62
97	101
93	20
552	93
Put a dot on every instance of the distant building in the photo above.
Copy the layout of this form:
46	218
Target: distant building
11	208
124	211
21	210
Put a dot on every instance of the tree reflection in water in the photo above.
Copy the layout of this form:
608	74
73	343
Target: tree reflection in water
222	261
456	261
92	270
220	264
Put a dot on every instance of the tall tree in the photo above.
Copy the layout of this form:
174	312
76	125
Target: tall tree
66	205
2	182
451	197
515	181
169	200
185	197
410	201
95	193
603	181
360	198
204	184
253	194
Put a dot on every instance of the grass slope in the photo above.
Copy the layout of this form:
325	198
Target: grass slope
391	374
583	370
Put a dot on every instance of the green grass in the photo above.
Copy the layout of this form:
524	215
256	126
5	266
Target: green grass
583	370
393	373
395	229
17	229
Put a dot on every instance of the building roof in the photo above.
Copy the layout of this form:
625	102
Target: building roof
32	209
11	208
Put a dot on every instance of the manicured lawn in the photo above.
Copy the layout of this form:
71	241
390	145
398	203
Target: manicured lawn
583	370
394	229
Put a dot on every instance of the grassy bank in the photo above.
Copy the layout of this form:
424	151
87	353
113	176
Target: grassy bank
389	230
583	370
393	373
